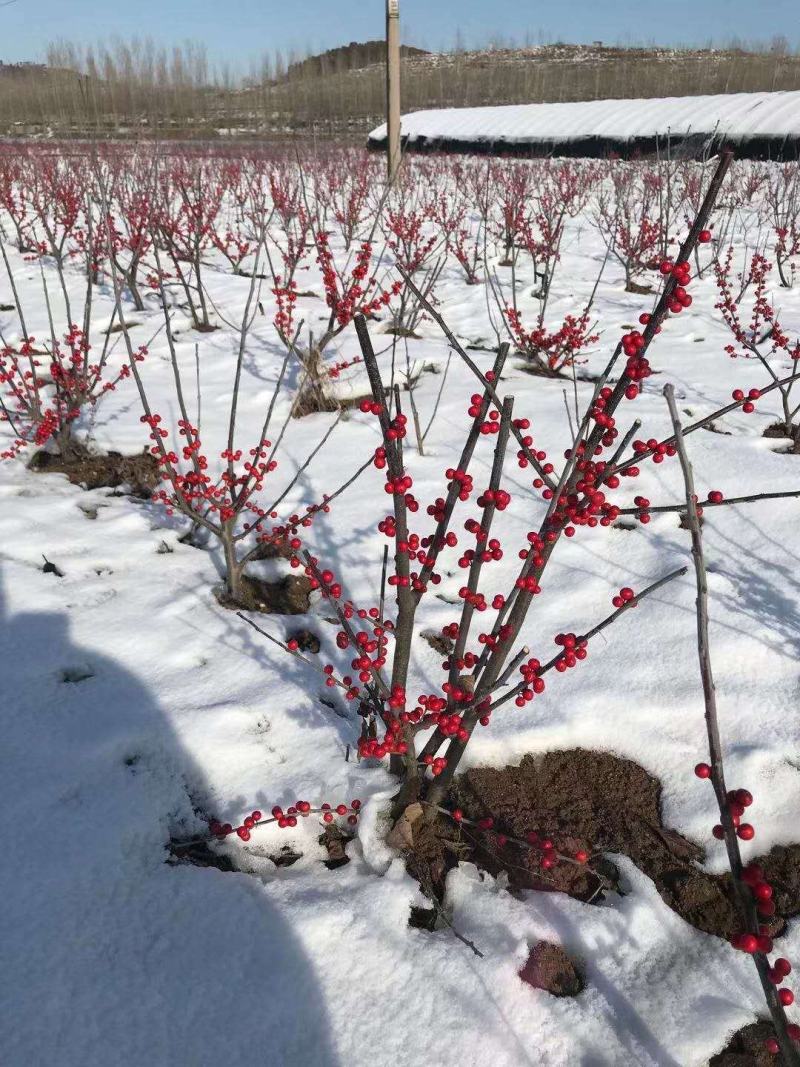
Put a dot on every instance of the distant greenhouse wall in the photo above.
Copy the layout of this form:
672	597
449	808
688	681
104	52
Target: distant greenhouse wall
756	125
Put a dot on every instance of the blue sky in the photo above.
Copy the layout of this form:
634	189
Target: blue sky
238	30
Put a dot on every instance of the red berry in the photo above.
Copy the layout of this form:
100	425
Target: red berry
703	770
786	997
748	943
704	237
771	1045
745	832
752	874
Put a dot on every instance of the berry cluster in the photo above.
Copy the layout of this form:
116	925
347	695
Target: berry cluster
285	819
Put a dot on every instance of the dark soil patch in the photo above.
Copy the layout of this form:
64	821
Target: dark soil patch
111	470
307	640
639	289
8	307
273	550
77	674
778	429
422	918
335	841
197	854
438	642
746	1048
548	967
288	596
200	854
536	370
402	331
311	401
205	327
286	857
118	327
602	803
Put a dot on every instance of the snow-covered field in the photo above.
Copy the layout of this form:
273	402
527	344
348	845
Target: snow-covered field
132	701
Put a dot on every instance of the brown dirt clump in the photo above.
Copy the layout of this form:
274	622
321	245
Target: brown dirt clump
746	1048
313	400
548	967
438	642
110	470
307	640
335	841
290	595
273	550
603	803
778	429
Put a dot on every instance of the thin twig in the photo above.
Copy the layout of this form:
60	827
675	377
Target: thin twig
744	899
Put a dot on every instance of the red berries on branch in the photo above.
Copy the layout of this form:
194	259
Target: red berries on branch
285	819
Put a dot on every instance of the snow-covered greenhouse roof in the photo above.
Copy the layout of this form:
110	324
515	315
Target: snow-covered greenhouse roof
759	125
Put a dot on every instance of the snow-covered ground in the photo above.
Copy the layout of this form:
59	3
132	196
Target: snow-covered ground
131	699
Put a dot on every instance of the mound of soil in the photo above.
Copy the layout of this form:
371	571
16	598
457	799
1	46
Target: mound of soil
746	1048
538	370
288	596
311	401
103	471
778	429
602	803
548	967
307	640
639	288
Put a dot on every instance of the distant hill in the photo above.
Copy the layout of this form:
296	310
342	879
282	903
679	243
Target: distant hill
353	56
22	70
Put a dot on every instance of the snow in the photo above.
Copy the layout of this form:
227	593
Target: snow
112	956
735	116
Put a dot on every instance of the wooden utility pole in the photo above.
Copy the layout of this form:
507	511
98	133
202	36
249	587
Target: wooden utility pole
392	87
